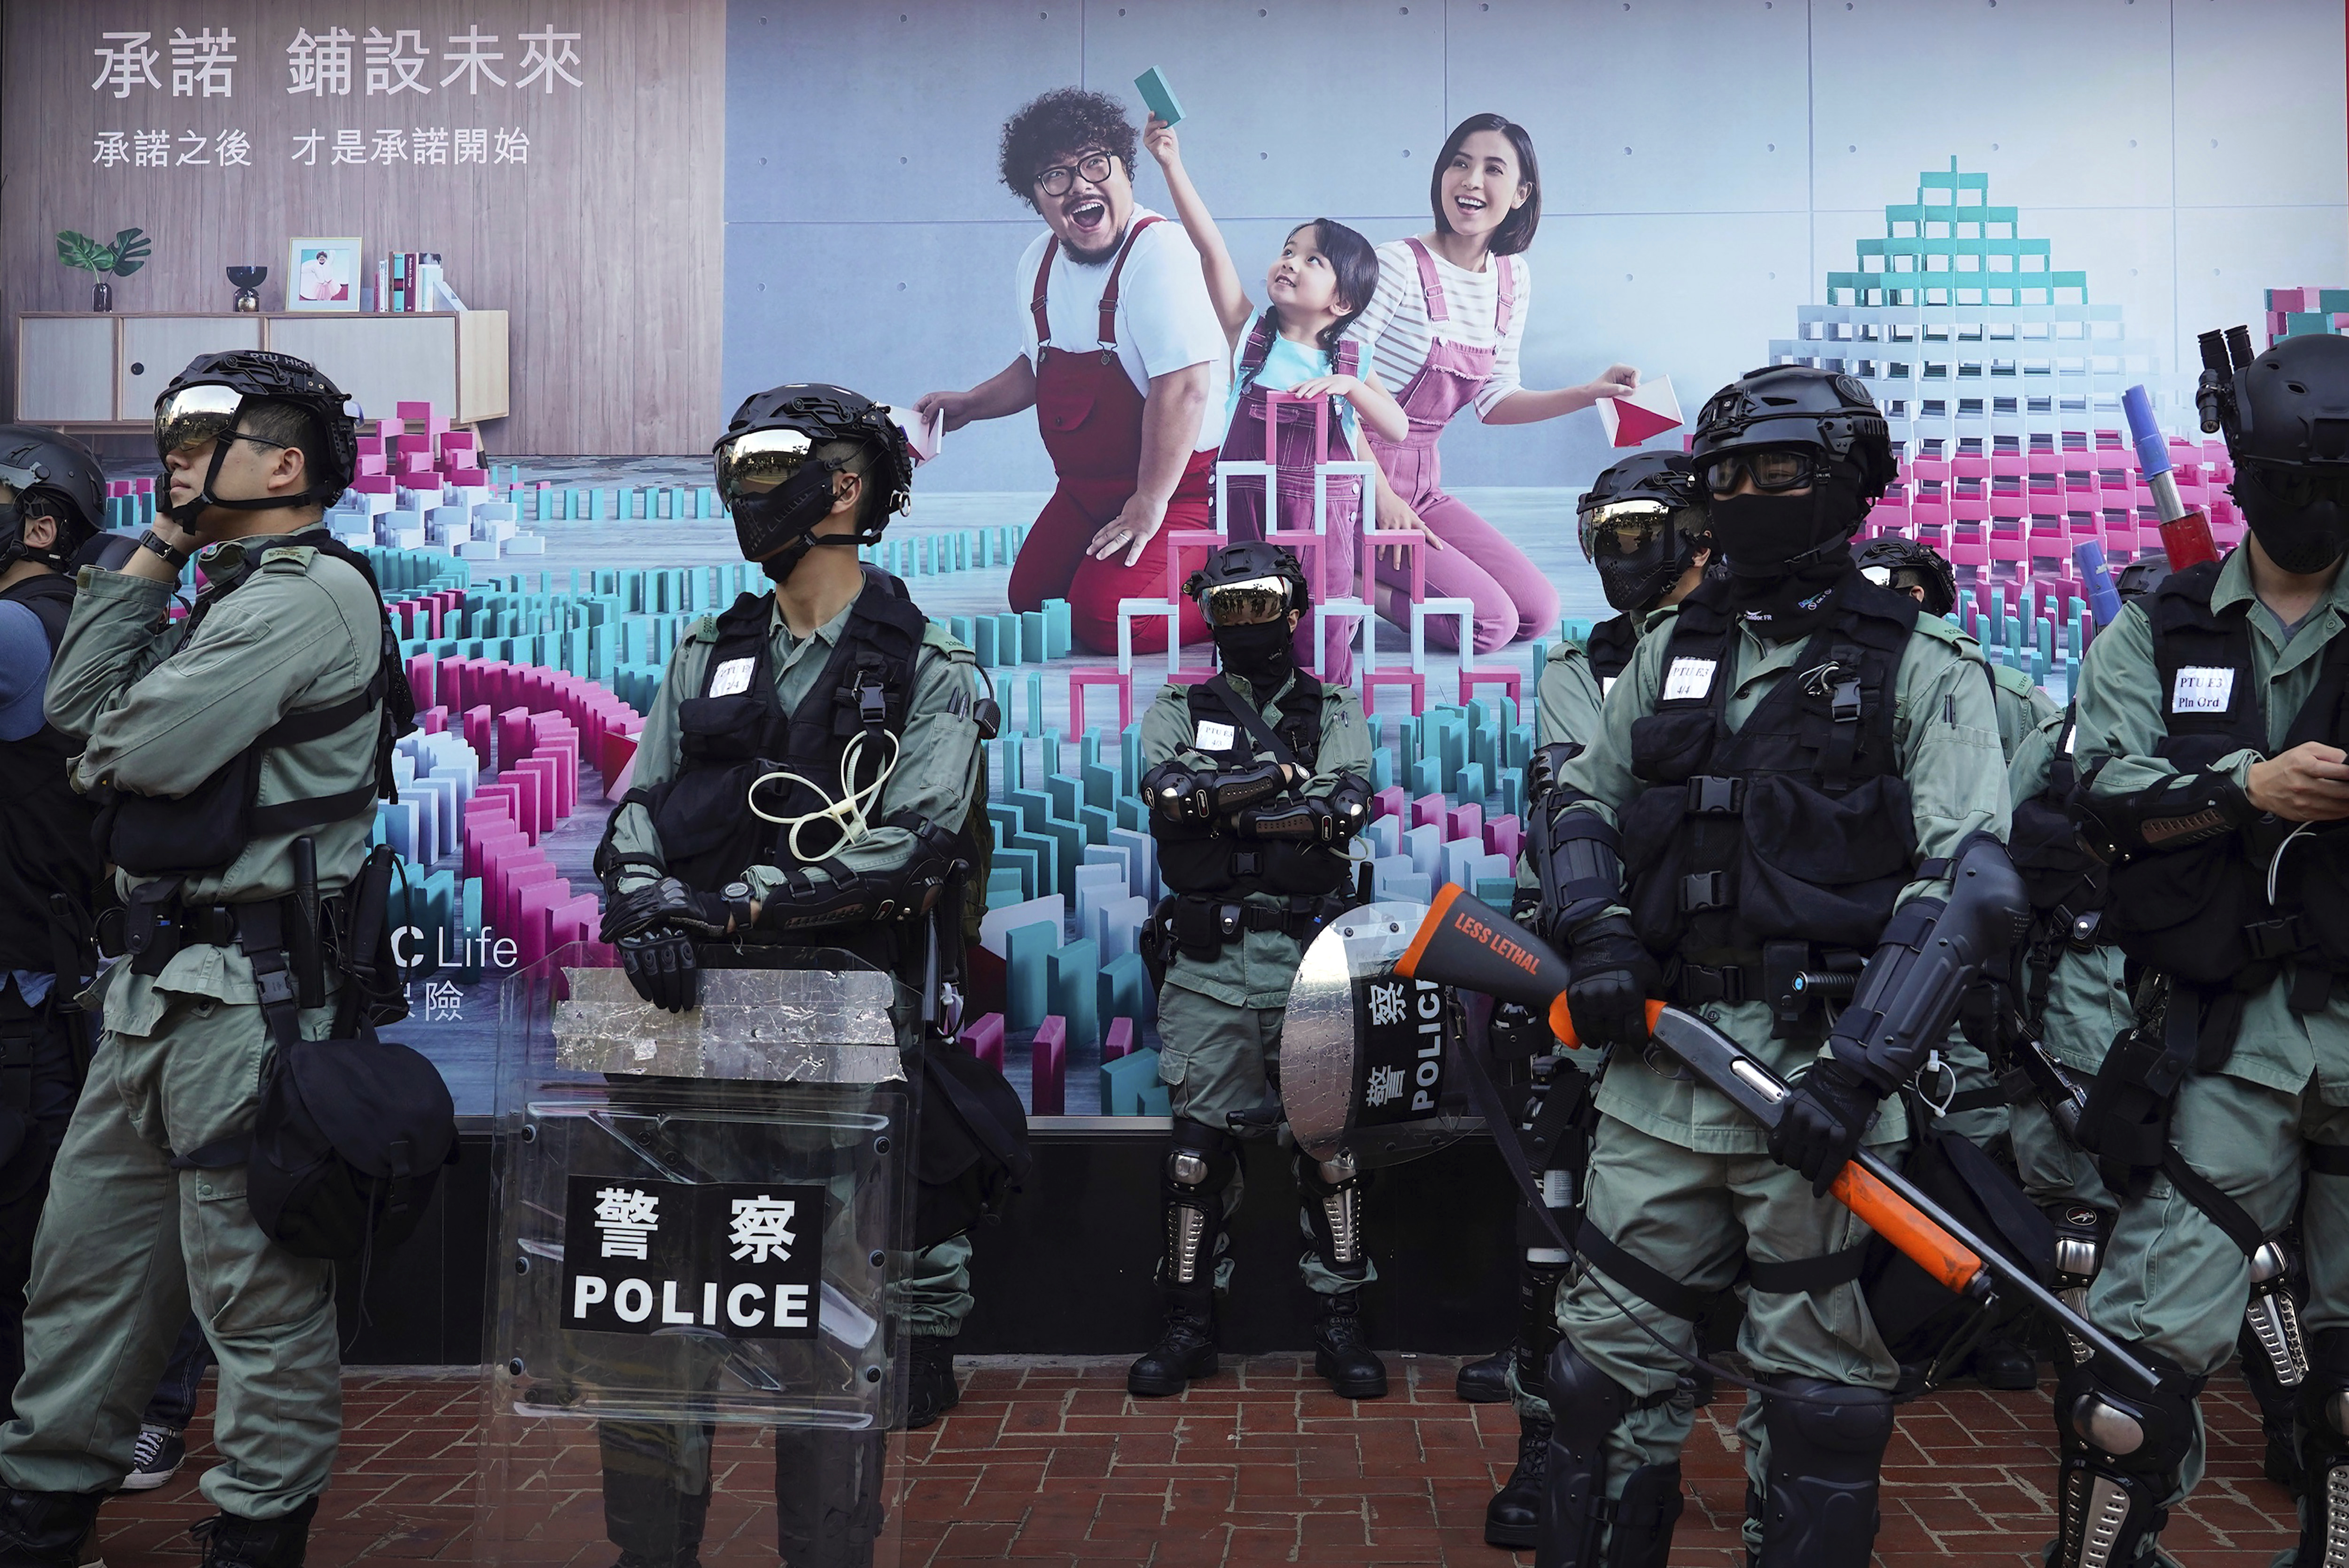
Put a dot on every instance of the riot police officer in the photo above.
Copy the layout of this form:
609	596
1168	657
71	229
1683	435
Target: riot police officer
52	497
231	754
810	774
1643	526
2213	774
1910	566
1256	782
1779	781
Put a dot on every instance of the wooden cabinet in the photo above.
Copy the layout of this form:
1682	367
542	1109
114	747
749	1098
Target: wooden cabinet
97	372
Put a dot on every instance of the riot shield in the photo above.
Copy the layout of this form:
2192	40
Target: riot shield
698	1218
1366	1054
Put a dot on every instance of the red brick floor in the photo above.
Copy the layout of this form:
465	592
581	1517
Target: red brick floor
1050	1463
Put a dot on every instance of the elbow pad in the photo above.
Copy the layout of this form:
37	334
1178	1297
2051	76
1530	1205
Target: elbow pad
2185	809
1235	790
1579	858
1181	797
802	903
1543	768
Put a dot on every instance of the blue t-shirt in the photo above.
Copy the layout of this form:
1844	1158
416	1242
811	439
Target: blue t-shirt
1288	365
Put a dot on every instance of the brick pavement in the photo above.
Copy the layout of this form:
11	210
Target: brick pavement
1048	1461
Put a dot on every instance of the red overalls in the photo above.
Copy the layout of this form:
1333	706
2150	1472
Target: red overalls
1089	412
1295	458
1513	599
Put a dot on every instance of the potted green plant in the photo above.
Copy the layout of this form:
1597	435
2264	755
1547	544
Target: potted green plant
125	256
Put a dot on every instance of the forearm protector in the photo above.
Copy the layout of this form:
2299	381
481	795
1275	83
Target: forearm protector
1192	798
1310	819
2183	810
1543	768
1930	955
804	903
1579	858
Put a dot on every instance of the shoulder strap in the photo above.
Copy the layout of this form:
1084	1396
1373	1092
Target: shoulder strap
1036	298
1220	689
1505	307
1109	293
1431	286
1259	345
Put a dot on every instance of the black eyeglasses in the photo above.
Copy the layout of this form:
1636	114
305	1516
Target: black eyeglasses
1093	168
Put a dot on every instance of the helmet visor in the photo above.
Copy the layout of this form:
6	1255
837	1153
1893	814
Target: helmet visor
757	461
194	415
1772	469
1623	527
1250	604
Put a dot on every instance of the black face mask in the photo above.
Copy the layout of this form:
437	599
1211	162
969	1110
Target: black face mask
1632	582
1765	535
2299	539
1259	655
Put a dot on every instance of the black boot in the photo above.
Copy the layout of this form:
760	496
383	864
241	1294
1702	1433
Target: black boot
653	1523
931	1376
1339	1353
1186	1348
44	1528
1513	1519
828	1496
233	1541
2002	1363
1485	1382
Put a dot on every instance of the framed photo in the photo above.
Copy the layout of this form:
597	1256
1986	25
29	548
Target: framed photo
322	275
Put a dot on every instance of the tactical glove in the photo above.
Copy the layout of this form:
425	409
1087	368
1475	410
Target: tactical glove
660	963
1822	1123
670	902
1613	977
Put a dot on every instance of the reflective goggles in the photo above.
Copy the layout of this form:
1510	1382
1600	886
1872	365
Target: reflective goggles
194	415
1623	527
1772	469
758	461
1250	604
1899	578
2293	484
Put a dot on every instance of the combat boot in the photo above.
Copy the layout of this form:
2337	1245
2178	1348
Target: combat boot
1339	1353
654	1524
233	1541
1512	1517
1485	1382
2002	1363
44	1528
931	1376
1186	1348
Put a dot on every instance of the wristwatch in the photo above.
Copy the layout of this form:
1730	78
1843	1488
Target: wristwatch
737	894
176	558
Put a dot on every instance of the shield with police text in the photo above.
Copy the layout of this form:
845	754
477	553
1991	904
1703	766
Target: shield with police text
1366	1054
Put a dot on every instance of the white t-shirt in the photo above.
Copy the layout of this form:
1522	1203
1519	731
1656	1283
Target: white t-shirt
1165	321
1398	333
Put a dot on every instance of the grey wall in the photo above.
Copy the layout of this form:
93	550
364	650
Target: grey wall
1705	163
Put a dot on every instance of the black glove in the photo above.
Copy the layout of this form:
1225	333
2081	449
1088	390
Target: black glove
1613	977
661	965
1822	1123
670	902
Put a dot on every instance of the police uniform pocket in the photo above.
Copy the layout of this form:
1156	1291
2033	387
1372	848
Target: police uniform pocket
1825	868
253	1285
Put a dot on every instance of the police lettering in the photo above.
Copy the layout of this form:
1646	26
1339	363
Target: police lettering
746	1303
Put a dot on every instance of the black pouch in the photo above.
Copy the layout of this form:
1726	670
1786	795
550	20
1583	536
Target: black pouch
2184	911
708	832
1825	868
1920	1319
971	1151
168	836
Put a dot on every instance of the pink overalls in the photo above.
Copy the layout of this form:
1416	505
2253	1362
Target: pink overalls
1089	412
1513	599
1294	460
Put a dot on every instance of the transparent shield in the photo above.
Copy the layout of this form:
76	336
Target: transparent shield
1367	1056
698	1218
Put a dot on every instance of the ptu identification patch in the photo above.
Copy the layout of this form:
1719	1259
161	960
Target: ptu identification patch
2201	688
733	677
1688	678
1216	737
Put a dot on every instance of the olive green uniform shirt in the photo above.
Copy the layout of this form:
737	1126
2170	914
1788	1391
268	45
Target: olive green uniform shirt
1566	699
2123	715
1945	731
1256	971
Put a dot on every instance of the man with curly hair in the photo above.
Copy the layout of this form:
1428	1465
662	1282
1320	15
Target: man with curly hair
1125	364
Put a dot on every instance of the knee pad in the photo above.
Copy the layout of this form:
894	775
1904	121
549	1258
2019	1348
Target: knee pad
1200	1163
1826	1455
1332	1192
1644	1517
1585	1406
2122	1449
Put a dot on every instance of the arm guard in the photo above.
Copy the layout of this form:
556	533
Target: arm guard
1579	860
1931	954
1543	768
2185	809
1185	797
802	903
1310	819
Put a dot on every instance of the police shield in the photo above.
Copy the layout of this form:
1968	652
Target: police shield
1367	1056
698	1216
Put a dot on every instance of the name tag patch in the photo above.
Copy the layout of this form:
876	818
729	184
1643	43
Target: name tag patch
1215	737
733	677
1688	678
2199	688
1605	685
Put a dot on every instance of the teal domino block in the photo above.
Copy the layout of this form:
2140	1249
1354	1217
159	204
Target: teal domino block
1074	974
1425	779
1513	794
1496	890
1004	820
959	628
1130	815
1382	768
1026	974
1008	884
1071	840
1126	989
1129	755
1034	806
1097	822
1047	852
1015	762
1102	786
1470	782
1130	1085
1059	631
1067	795
1032	637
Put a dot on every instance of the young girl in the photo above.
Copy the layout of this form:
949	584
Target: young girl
1319	283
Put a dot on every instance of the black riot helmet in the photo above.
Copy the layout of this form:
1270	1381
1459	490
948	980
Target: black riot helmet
205	401
2286	417
1817	451
777	481
53	476
1893	561
1641	523
1249	583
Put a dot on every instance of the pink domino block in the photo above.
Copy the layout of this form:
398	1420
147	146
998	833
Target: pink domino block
456	441
1509	679
370	445
575	921
370	464
405	445
1119	1041
1048	1068
1427	808
1083	679
469	478
377	483
527	787
514	736
419	678
512	879
984	1039
1463	822
1373	680
1503	836
1390	803
413	410
550	791
535	918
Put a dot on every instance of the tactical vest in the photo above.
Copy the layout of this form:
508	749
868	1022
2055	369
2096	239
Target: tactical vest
45	846
1797	826
2068	884
1208	859
1610	647
2201	913
206	828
